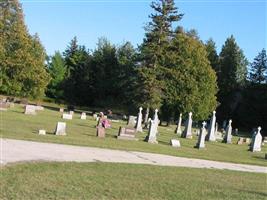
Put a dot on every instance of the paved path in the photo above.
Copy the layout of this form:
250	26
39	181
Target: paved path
20	151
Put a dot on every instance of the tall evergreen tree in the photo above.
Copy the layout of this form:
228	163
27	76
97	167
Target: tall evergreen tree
57	71
212	55
190	82
153	51
22	57
78	76
233	66
258	69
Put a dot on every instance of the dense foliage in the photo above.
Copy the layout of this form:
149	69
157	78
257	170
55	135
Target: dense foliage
22	57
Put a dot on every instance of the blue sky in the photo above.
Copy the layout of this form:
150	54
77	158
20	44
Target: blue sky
58	21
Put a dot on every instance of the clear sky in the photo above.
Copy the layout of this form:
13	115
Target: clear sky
58	21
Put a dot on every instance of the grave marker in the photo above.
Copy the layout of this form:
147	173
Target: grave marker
61	128
83	116
201	138
188	127
256	141
178	128
139	121
228	135
211	132
30	110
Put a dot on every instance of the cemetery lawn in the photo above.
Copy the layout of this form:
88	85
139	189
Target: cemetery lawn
16	125
126	181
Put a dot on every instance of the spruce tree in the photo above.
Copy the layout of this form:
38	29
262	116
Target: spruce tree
153	52
258	68
57	71
22	57
233	67
212	55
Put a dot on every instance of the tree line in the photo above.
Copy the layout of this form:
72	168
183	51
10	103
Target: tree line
172	69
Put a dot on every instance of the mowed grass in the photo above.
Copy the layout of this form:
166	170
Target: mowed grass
127	181
16	125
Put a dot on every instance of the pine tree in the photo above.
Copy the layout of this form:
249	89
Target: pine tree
212	55
233	66
57	71
22	57
153	51
78	76
258	69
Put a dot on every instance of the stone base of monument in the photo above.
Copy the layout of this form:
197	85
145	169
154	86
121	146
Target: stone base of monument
100	132
126	133
151	140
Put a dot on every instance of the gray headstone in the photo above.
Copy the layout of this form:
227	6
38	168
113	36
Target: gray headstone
61	128
66	116
178	128
201	138
211	132
153	129
228	135
256	141
30	110
146	116
188	127
83	116
139	121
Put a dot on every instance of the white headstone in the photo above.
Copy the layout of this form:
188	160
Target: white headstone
211	132
201	138
228	135
256	141
30	110
178	128
66	116
139	121
61	110
71	112
175	143
131	121
146	116
188	127
61	128
40	108
42	132
153	129
83	115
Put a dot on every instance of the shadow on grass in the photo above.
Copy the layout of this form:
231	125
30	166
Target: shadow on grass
263	194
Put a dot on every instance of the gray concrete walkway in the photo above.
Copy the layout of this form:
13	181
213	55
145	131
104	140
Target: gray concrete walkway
12	151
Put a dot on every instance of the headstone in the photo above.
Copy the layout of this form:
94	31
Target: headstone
228	135
175	143
211	132
126	133
30	110
153	129
256	141
61	128
240	141
178	128
100	131
131	121
83	115
4	106
42	132
146	116
247	140
188	127
201	138
139	121
71	112
39	108
236	131
61	110
66	116
265	140
95	116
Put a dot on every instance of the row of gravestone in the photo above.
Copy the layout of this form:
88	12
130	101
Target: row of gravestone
204	135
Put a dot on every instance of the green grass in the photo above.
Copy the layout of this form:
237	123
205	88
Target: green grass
16	125
127	181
